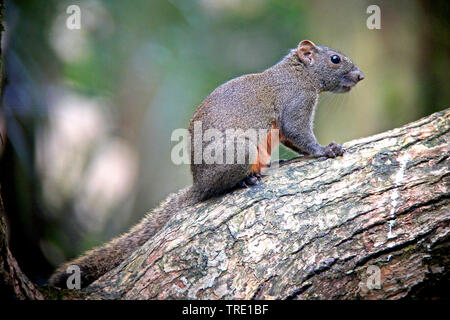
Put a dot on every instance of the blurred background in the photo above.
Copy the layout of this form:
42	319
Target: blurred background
87	114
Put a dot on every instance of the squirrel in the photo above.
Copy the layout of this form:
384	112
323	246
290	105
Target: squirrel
280	100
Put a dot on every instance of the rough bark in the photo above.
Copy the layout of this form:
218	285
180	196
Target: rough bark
13	282
314	229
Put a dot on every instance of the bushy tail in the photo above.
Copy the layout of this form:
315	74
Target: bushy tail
99	261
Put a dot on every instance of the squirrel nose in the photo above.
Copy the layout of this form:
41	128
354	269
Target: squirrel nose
356	75
360	76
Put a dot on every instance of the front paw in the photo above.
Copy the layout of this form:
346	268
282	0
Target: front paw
331	151
337	149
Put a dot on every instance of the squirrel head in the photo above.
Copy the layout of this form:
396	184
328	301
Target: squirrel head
334	71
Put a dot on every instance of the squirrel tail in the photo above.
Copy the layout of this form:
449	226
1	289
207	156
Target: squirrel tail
99	261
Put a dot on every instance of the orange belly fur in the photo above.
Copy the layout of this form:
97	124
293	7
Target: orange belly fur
264	150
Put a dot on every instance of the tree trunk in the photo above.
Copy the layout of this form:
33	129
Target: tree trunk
373	224
12	280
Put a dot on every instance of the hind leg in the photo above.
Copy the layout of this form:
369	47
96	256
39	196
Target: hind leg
218	178
250	180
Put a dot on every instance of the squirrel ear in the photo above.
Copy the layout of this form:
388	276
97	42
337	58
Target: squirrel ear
306	51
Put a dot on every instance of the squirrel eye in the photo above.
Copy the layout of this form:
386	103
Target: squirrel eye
335	59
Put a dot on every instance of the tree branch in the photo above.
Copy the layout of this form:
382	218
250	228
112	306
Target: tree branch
314	229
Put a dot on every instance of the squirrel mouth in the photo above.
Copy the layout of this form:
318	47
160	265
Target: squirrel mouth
345	86
349	80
